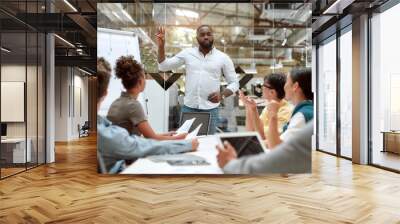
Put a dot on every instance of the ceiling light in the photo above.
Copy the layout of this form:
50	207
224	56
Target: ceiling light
116	15
126	14
86	72
5	50
276	65
284	42
70	5
237	30
64	40
338	6
186	13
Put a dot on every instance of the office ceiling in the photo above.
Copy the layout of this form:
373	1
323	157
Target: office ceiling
74	21
257	33
328	13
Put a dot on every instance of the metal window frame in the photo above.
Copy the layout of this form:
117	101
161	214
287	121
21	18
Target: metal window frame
44	72
337	35
381	9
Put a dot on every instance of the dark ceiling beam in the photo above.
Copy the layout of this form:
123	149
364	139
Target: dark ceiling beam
49	22
91	5
16	18
76	61
84	24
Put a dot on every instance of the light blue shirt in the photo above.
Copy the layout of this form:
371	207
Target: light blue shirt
116	145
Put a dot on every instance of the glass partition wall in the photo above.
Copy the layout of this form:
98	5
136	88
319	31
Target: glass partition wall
334	94
346	93
260	38
22	87
327	94
385	89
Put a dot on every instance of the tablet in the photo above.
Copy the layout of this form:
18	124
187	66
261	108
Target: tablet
245	143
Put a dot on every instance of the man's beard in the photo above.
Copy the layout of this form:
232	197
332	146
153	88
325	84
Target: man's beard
207	45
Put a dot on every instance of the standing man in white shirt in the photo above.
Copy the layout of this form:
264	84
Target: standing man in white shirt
204	66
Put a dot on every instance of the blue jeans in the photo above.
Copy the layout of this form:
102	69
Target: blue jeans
214	116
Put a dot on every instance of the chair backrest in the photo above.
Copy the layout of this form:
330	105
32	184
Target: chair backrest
86	125
201	118
101	167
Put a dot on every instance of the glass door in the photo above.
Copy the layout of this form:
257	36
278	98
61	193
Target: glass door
326	94
346	93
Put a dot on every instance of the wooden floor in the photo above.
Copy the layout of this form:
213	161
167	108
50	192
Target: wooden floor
70	191
387	159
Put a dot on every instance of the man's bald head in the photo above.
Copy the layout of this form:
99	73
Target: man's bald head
205	37
203	26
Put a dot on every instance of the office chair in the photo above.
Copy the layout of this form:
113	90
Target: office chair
84	130
101	167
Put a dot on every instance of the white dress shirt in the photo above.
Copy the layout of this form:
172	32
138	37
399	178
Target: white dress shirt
203	75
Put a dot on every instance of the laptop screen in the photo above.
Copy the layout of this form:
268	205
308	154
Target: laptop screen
201	118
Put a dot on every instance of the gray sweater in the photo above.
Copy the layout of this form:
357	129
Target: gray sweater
292	156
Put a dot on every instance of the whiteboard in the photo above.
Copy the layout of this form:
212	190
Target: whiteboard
12	101
111	44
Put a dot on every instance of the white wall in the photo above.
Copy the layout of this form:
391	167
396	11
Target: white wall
16	73
70	84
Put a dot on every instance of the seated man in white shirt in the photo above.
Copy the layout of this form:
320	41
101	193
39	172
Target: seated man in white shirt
204	66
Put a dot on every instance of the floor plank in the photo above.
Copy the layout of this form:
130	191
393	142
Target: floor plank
71	191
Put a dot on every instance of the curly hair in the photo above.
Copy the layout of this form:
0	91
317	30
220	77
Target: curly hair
129	71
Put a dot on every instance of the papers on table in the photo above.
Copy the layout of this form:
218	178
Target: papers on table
179	159
194	133
206	150
185	126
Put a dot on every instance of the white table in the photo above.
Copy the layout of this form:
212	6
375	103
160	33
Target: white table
206	150
18	148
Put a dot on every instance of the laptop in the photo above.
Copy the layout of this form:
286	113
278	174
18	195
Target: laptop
245	143
203	118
